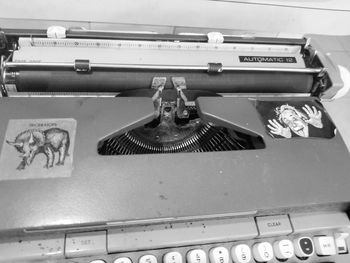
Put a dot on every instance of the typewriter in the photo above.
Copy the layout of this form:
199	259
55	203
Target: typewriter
160	148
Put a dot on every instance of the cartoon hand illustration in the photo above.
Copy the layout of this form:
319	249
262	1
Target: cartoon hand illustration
278	129
314	116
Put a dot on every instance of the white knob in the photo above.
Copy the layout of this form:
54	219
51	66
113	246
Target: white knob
148	259
172	257
123	260
196	256
263	252
241	253
219	255
284	249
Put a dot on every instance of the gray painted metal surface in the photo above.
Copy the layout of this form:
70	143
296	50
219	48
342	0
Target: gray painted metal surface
180	234
288	173
133	242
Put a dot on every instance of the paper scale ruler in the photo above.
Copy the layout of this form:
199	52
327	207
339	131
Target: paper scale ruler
45	50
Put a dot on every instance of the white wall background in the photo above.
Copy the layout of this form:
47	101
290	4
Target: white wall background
293	16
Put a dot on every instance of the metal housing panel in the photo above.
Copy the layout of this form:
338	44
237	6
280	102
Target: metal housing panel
288	173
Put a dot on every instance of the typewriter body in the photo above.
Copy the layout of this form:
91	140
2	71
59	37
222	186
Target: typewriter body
145	148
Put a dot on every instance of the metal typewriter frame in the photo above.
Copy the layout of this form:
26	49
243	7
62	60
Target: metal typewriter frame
316	64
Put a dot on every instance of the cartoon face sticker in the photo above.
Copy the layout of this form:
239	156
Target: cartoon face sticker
295	119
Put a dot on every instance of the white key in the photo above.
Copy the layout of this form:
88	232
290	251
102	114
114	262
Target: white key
196	256
325	246
283	249
172	257
219	255
263	252
340	242
122	260
148	259
241	253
